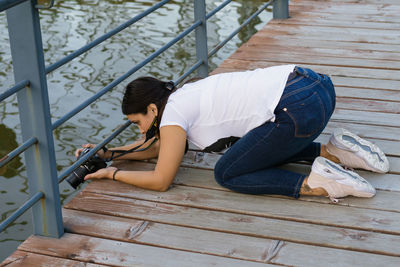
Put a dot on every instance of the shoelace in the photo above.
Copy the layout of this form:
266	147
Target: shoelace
334	200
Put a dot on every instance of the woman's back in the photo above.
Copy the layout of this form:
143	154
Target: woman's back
227	104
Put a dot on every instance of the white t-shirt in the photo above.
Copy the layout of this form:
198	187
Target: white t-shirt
226	104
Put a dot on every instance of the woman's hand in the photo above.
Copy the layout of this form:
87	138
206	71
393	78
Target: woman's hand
100	153
102	173
171	151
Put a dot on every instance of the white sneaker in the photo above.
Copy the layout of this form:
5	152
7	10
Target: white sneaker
337	181
355	152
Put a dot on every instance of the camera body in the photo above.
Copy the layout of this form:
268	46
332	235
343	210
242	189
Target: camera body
92	165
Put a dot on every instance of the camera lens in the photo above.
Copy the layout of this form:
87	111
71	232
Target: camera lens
90	166
76	177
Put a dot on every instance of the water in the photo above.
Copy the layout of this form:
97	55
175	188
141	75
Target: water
72	24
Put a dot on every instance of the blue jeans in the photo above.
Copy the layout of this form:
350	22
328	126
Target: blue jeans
251	164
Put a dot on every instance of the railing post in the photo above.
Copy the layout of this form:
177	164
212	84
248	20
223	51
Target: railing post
281	9
201	37
33	103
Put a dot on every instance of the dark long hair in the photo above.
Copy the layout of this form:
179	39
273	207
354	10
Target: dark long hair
147	90
142	92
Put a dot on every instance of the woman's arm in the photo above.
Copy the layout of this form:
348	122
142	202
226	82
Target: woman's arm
171	151
150	153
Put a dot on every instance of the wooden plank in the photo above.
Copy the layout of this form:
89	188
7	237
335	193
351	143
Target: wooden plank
340	7
350	103
323	19
209	242
394	165
345	71
149	233
369	131
373	3
313	50
292	256
349	18
390	67
337	78
22	258
274	208
290	41
347	8
368	74
337	75
384	200
240	223
118	253
187	176
356	94
254	49
345	36
387	2
341	80
368	117
387	36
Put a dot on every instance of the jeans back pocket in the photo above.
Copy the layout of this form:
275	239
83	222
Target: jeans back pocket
308	115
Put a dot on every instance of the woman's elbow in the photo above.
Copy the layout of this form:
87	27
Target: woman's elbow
162	185
163	189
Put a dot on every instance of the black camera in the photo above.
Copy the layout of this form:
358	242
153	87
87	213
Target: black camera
92	165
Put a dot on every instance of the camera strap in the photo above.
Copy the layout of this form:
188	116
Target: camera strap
151	132
124	152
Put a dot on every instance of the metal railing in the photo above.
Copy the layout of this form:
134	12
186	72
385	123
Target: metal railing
31	87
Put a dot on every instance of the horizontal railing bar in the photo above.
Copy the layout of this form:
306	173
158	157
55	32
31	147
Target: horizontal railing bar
14	89
218	8
21	210
6	4
93	151
190	71
4	160
104	37
125	76
247	21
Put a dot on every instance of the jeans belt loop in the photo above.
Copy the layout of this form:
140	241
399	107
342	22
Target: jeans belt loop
293	74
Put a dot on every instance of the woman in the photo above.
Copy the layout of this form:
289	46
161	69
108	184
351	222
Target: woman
271	116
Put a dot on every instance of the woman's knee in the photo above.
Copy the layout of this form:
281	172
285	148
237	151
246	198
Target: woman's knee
219	172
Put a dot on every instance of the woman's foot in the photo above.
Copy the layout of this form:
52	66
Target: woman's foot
355	152
336	181
306	190
325	154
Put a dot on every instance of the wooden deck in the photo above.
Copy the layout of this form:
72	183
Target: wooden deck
198	223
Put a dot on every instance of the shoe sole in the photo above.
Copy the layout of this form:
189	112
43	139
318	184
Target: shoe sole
369	152
365	189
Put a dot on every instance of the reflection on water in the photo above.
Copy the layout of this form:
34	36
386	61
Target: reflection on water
72	24
8	142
